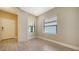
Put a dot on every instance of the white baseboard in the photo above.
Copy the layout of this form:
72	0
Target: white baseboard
60	43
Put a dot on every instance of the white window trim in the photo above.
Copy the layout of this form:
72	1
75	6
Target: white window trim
52	25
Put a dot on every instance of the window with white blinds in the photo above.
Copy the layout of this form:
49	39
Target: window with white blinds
50	25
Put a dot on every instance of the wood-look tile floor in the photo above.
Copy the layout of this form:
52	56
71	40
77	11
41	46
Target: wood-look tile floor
31	45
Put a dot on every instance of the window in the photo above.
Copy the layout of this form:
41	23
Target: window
31	25
31	28
50	25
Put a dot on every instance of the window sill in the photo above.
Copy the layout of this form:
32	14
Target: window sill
50	34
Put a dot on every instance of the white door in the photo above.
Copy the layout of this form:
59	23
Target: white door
8	28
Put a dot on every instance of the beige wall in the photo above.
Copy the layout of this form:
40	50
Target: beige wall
68	25
8	21
0	30
7	15
9	30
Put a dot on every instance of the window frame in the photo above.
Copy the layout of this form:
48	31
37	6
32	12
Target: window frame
33	28
49	26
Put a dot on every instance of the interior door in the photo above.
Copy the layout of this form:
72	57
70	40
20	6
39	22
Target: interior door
8	28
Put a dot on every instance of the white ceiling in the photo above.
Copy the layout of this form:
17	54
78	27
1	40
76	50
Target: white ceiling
32	10
36	10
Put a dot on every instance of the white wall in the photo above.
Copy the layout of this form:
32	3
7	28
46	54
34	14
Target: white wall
23	25
31	21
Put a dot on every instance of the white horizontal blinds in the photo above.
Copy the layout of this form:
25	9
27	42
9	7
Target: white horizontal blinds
51	21
50	25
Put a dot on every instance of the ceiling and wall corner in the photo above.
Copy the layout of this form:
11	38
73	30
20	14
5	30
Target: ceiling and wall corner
36	11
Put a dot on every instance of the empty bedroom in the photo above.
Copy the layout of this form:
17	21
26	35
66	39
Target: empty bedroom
39	28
